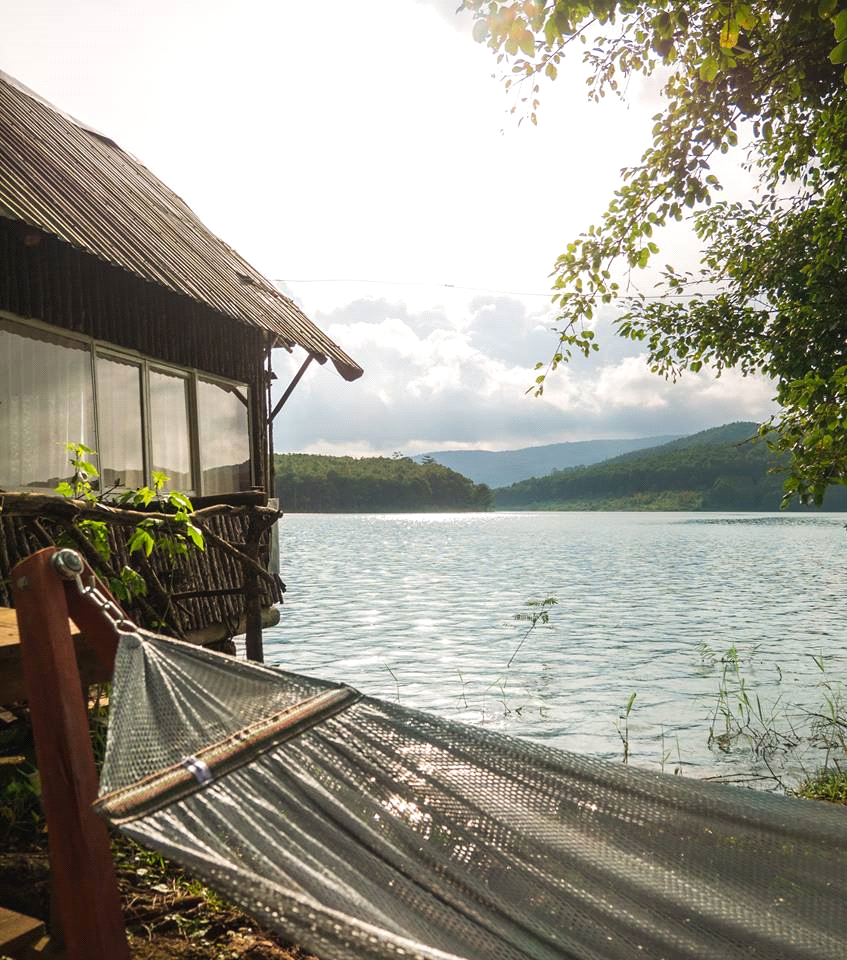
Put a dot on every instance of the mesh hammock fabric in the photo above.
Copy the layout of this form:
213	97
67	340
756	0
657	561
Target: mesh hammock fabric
361	829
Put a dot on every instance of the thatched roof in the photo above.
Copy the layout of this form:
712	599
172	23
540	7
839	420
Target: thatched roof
67	180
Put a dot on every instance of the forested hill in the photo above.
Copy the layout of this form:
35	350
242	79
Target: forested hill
499	468
713	470
307	483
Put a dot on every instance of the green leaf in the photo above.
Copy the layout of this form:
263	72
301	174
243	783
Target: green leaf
744	17
527	43
708	69
64	489
141	540
839	54
160	479
840	25
97	534
729	35
177	499
78	448
134	583
826	8
196	536
143	496
118	589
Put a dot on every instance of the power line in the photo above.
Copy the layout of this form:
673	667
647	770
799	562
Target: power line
422	283
458	286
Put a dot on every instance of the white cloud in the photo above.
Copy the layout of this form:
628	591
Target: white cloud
630	383
433	382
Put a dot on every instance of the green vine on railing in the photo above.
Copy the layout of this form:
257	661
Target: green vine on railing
171	536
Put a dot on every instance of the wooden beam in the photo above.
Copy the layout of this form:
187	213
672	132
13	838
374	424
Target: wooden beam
290	388
84	877
58	508
215	632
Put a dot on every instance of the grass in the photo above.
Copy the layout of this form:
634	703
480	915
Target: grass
829	785
169	914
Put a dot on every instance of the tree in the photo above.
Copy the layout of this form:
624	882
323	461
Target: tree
769	295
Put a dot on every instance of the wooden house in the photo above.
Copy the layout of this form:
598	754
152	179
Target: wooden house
126	325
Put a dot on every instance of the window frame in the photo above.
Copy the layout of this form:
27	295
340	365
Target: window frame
125	356
153	366
236	386
60	332
103	348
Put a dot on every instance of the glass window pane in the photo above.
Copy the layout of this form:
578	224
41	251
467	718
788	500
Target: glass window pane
119	408
46	402
170	438
224	421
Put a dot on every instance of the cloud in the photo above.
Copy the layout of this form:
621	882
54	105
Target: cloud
505	328
434	381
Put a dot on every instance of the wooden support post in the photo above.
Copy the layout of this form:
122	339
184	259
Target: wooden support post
80	857
252	596
261	521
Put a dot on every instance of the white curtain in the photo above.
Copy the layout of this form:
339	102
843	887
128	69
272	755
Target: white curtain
46	402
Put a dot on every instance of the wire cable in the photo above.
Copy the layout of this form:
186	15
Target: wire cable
459	286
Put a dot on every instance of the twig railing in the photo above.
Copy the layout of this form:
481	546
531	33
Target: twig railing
227	583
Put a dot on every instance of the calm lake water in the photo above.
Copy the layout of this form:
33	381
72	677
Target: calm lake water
420	608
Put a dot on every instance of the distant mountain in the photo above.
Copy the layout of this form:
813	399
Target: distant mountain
502	467
711	470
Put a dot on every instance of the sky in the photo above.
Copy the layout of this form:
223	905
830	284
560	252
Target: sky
363	156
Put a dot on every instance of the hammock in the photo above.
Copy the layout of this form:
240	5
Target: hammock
361	829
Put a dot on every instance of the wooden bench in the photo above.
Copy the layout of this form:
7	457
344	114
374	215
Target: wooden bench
21	937
12	686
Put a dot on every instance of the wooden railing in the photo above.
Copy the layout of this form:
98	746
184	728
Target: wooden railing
204	596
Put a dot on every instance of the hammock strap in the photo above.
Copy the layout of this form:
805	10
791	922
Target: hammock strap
195	772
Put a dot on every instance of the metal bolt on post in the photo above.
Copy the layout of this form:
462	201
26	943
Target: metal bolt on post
68	564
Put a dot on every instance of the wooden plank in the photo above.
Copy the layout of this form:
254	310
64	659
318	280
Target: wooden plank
45	949
18	931
12	686
81	864
9	627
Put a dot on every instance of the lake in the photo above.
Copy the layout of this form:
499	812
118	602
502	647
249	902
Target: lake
420	609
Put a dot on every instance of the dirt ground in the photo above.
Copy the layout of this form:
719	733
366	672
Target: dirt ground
167	914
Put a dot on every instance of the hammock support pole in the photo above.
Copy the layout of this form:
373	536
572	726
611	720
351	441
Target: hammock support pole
85	883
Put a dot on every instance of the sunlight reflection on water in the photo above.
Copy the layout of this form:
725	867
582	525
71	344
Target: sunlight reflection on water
423	605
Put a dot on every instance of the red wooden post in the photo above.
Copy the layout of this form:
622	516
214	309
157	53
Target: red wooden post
80	858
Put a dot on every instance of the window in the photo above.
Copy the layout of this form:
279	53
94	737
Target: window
46	402
224	430
146	417
120	417
169	428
